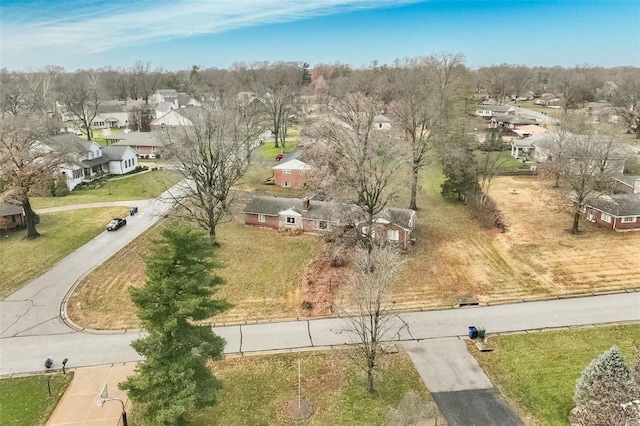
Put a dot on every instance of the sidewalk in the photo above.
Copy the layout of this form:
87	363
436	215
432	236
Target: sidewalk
78	405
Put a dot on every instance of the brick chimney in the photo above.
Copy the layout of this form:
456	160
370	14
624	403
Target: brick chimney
305	204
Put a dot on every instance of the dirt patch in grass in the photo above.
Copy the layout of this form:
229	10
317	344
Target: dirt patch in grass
256	390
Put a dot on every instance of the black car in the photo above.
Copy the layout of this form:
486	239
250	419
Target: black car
116	223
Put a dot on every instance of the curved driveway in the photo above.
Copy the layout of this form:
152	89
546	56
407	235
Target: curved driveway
31	327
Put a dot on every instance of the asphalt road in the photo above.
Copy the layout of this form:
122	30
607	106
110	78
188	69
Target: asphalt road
31	325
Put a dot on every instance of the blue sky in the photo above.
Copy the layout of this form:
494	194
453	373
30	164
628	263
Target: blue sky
175	34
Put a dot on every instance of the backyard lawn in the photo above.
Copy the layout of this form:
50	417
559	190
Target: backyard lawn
133	187
26	400
62	233
538	371
256	390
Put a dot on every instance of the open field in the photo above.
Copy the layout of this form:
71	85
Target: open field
262	269
139	186
26	401
256	390
62	233
536	256
539	371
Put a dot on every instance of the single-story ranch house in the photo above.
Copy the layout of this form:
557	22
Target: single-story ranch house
620	212
144	144
314	216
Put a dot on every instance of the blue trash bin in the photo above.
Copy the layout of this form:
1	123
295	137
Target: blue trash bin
473	332
131	212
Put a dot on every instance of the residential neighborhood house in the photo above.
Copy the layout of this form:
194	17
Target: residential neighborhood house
620	212
173	118
144	144
168	99
89	160
11	216
313	216
488	111
290	173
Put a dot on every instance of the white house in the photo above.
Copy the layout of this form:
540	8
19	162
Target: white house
88	160
173	118
381	122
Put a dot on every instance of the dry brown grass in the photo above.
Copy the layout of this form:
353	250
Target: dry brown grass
535	257
262	269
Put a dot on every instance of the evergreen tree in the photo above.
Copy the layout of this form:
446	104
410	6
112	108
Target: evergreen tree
174	378
460	175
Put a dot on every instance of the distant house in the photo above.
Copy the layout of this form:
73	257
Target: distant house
488	111
173	118
525	147
87	161
627	184
381	122
11	216
620	212
175	99
144	144
394	225
110	115
290	173
510	122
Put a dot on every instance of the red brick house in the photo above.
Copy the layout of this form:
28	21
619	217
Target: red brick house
319	217
291	173
620	212
145	144
11	216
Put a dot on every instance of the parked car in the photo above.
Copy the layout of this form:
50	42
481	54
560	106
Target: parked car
279	156
116	223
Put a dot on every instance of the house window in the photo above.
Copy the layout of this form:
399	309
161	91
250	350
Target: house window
606	217
393	235
286	171
366	230
291	220
320	224
261	218
285	184
628	219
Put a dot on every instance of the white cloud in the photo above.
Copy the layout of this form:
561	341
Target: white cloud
114	25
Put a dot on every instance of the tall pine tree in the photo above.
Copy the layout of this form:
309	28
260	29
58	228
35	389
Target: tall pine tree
174	378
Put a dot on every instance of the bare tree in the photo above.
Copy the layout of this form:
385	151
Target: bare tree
375	268
144	81
589	160
572	85
423	90
212	154
626	100
355	162
80	94
277	85
496	82
520	78
25	161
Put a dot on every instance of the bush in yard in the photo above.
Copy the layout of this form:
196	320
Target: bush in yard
605	393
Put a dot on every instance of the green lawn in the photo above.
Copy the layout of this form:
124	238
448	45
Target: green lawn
133	187
62	233
268	150
98	135
539	371
25	401
504	163
256	390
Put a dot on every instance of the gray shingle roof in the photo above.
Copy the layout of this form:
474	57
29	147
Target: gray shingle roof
514	120
617	205
7	209
114	153
628	180
137	139
68	140
323	210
